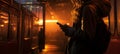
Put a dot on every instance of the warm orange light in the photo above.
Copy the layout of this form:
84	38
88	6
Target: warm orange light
4	17
1	25
51	13
26	38
105	20
52	17
50	47
5	21
34	47
68	23
14	28
48	21
40	22
51	20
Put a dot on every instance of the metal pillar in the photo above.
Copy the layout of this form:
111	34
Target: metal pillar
43	19
115	18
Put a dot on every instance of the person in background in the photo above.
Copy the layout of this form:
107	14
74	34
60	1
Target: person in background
41	39
89	34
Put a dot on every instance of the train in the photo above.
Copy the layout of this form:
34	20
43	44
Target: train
18	32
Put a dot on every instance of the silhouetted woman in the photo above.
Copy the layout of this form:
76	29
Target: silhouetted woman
89	34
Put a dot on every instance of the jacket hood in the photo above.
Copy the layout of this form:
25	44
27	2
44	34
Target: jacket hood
104	8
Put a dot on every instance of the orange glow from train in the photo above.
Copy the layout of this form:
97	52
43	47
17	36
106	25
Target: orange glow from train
1	25
5	21
4	17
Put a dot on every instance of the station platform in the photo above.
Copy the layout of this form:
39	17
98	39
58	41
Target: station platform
114	48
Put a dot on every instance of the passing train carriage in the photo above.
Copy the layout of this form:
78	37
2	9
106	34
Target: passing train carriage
17	34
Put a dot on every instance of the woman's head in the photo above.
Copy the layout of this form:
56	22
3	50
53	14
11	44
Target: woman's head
78	2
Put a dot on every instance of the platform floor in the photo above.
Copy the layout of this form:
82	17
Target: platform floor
114	48
52	49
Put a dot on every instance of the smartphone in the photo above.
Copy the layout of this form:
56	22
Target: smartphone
59	24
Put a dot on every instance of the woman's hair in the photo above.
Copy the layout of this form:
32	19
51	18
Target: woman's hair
76	6
103	5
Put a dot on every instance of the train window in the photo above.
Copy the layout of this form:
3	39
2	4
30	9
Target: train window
35	30
13	27
26	27
3	25
37	24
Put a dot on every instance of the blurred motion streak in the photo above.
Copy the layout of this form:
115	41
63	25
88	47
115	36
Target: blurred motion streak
40	22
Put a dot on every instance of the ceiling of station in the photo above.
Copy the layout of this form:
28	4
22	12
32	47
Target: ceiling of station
58	8
61	8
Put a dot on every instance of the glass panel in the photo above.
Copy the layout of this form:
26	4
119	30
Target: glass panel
13	27
26	26
35	30
37	24
3	25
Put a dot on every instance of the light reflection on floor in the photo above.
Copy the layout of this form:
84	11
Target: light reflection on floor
51	49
